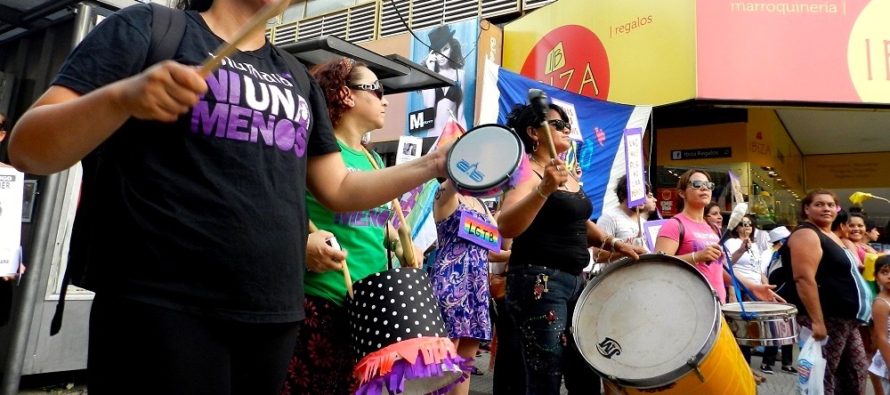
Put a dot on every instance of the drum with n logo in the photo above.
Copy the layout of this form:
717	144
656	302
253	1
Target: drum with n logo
485	161
654	326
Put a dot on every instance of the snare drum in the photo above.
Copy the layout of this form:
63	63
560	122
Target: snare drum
773	324
485	161
654	325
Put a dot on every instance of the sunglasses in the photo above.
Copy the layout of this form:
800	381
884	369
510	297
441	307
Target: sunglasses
560	125
375	87
699	184
745	224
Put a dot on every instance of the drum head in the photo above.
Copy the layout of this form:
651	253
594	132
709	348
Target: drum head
759	307
484	157
642	322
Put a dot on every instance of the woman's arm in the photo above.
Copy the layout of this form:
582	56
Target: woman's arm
806	252
340	190
879	312
445	201
521	204
63	126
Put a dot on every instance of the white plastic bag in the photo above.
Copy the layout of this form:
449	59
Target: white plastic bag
811	365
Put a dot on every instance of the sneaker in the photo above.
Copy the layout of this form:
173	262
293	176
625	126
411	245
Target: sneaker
789	369
767	369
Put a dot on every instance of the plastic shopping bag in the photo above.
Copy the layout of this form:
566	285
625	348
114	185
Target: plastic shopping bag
811	365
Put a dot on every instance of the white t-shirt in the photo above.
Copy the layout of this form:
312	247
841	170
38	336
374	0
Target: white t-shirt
617	224
748	265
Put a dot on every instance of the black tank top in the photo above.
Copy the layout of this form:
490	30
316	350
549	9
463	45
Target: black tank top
557	237
838	291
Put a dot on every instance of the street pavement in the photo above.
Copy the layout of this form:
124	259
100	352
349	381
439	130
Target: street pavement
776	384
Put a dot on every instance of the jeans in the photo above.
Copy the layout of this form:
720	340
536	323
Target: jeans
543	329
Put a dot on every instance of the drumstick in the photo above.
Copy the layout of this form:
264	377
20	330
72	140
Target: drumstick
404	235
257	21
346	277
538	100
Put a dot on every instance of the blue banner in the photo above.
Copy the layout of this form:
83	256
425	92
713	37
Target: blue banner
598	126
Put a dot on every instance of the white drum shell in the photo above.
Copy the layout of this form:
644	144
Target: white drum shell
659	312
774	324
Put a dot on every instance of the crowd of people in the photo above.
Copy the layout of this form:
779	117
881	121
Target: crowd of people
207	266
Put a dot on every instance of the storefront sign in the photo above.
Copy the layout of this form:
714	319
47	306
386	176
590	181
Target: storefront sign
814	51
702	153
627	51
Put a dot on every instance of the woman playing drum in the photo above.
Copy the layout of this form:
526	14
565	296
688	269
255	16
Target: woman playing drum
547	215
323	359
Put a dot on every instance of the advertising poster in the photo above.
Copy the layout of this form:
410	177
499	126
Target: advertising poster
450	51
12	183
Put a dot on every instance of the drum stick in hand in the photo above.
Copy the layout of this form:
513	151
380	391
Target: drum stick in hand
347	278
540	104
258	21
404	234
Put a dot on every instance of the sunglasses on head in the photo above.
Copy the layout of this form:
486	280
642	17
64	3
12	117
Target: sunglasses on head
375	87
699	184
560	125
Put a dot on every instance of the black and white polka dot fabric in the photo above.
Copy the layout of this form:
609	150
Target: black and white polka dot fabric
393	306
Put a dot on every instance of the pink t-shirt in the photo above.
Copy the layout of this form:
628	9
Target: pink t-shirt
696	237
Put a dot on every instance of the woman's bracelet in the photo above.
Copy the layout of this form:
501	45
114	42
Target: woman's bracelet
614	241
693	257
541	194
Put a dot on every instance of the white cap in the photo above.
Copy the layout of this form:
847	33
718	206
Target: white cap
778	234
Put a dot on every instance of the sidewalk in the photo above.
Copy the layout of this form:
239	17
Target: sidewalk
776	384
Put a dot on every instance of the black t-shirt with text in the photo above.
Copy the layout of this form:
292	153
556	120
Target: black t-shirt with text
205	215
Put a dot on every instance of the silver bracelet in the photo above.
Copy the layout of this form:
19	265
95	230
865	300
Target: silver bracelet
541	194
693	257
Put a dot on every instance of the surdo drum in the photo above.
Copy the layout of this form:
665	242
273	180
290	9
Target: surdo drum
654	325
485	161
772	324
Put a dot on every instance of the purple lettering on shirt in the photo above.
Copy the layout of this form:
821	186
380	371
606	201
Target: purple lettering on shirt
237	125
284	134
261	126
206	121
219	85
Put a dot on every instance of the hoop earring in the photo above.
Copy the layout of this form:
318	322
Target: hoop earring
534	146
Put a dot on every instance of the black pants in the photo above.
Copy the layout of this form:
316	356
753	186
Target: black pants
136	348
769	355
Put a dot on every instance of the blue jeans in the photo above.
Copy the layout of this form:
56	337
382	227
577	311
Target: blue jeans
543	329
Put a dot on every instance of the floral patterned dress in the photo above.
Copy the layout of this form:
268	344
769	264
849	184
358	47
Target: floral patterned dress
460	280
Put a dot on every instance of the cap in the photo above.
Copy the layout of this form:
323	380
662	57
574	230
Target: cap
778	234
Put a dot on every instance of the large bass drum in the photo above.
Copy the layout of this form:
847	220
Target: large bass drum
654	325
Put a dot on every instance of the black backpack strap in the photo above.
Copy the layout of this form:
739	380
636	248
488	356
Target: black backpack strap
167	29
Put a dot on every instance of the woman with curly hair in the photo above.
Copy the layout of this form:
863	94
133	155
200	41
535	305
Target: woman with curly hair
323	358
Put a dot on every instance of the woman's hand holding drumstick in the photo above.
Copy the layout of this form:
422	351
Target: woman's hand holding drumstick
315	253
